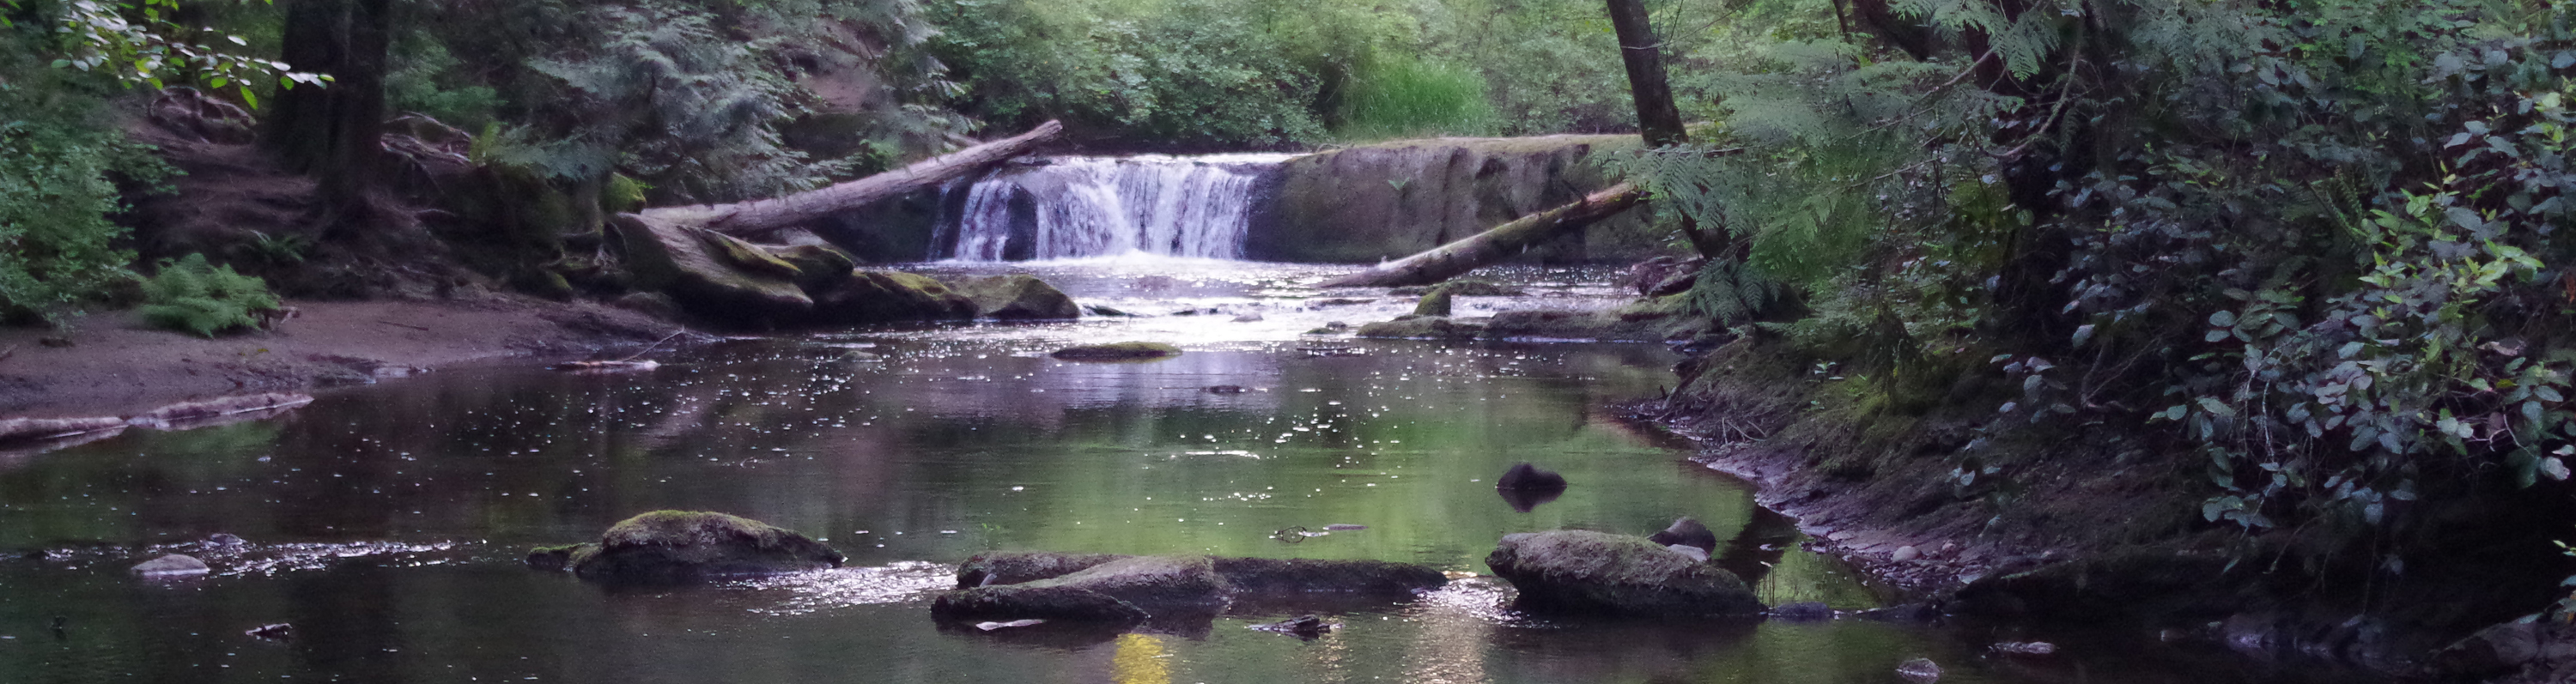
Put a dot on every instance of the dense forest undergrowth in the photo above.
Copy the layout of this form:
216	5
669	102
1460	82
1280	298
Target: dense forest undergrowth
2276	285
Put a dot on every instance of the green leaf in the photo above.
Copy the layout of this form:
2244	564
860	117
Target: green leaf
2547	392
2222	319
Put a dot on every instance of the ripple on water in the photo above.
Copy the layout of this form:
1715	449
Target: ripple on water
822	590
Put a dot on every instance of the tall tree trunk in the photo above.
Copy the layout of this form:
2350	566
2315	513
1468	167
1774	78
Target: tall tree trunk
334	133
1657	117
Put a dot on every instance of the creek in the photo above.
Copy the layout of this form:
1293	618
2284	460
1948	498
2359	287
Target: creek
387	522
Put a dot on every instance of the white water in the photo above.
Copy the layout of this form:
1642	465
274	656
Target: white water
1109	206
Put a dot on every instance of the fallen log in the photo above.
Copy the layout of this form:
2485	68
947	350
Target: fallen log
759	217
1446	261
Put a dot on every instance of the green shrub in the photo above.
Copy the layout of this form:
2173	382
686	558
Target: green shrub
60	159
1402	97
195	296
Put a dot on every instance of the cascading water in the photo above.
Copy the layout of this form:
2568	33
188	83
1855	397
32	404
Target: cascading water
1069	207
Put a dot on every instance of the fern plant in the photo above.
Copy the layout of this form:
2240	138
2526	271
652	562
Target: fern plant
192	295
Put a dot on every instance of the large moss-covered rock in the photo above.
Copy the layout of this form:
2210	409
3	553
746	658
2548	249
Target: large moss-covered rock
1014	567
1118	351
664	547
1018	296
707	276
1598	573
1137	586
1423	328
1389	200
868	296
1066	586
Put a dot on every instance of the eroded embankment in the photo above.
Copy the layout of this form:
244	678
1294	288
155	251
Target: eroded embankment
2099	524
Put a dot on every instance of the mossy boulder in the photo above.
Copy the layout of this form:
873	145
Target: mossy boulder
1118	351
1014	567
1068	586
1423	328
666	547
1597	573
707	275
1437	302
1136	587
871	296
1017	296
817	266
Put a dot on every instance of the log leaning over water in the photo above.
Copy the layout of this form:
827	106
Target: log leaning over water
758	217
1500	242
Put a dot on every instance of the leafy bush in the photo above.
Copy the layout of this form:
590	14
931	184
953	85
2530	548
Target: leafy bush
60	158
1407	97
191	295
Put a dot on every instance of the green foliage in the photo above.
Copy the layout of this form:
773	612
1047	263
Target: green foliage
60	160
1402	97
140	43
191	295
2330	265
1180	72
1732	292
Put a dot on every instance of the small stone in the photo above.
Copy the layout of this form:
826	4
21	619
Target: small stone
2024	648
277	632
1906	554
1248	318
55	342
172	565
1694	552
225	540
1919	671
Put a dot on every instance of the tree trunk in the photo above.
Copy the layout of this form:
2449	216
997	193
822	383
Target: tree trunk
762	216
1503	241
1657	117
334	133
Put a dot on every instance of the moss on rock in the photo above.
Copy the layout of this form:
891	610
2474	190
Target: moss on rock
1118	351
1018	296
1598	573
665	547
871	296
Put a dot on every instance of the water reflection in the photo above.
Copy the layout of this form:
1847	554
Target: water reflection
385	522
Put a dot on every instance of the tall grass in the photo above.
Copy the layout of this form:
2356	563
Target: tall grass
1402	97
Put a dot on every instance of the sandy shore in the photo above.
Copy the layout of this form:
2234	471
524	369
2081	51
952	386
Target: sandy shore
115	365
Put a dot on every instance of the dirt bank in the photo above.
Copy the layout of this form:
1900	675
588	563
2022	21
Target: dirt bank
2093	523
115	365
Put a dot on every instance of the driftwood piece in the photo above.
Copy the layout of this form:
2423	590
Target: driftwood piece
30	429
1446	261
184	414
758	217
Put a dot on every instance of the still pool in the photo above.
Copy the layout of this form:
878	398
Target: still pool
386	523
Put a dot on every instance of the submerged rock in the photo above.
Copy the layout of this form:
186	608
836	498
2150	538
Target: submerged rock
1803	611
1434	303
1118	351
664	547
1584	572
1017	296
1686	531
173	565
1014	567
1129	589
1919	671
1304	626
1524	476
1422	328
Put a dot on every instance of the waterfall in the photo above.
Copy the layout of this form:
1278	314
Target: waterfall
1067	207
